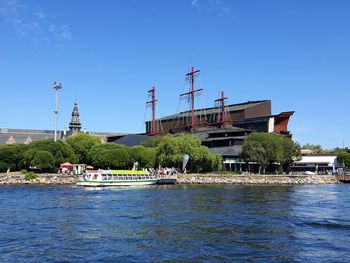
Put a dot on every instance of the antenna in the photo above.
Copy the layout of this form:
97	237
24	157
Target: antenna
57	86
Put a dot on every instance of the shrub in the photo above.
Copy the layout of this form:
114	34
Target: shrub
24	171
145	157
81	145
60	151
41	160
30	176
172	150
110	155
11	156
344	158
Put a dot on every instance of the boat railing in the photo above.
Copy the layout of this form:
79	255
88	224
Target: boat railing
118	177
137	177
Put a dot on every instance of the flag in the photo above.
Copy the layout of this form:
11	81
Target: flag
185	161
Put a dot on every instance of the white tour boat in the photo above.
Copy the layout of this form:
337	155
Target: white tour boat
116	178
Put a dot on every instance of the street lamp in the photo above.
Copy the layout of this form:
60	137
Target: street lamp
57	86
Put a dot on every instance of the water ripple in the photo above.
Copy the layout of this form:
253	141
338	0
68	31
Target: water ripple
175	223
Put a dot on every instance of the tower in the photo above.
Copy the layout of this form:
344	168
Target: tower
75	125
57	86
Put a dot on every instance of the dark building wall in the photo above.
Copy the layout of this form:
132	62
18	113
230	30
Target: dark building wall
178	124
260	110
237	115
258	124
236	112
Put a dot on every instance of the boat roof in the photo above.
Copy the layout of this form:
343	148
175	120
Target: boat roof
129	172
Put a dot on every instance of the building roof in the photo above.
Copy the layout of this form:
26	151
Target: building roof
28	135
132	139
233	151
208	111
319	159
8	135
223	138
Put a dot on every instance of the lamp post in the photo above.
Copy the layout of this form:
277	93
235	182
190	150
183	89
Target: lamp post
57	86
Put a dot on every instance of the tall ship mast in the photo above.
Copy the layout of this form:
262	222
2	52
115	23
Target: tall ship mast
191	119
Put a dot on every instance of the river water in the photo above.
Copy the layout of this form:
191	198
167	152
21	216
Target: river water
175	223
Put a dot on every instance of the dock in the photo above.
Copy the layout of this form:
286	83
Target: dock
343	178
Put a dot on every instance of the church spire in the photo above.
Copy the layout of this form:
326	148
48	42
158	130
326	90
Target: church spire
75	125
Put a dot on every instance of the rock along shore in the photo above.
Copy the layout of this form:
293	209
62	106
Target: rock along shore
42	179
57	179
255	179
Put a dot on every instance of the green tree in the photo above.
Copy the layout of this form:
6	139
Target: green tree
41	160
253	151
172	150
262	148
146	157
316	148
81	145
61	151
110	155
155	141
11	156
268	148
344	158
291	152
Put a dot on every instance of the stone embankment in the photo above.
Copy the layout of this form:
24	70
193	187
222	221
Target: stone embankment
57	179
255	179
42	179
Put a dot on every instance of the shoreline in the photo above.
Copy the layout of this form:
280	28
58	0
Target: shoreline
229	179
42	179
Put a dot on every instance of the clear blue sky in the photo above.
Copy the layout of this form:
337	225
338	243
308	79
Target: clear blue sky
109	53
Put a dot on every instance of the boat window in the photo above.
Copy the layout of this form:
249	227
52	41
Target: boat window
109	176
104	177
95	177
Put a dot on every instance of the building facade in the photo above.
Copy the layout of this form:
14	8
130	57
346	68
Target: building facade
11	136
226	138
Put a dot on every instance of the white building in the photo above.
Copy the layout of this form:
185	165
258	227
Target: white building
318	163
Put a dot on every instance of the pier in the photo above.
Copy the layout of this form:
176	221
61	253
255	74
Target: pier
343	178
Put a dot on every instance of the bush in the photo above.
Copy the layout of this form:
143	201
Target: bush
30	176
267	148
110	155
344	158
24	171
11	156
81	145
145	157
172	150
41	160
60	151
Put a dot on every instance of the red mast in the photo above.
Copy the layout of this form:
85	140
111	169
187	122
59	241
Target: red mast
222	106
191	76
153	100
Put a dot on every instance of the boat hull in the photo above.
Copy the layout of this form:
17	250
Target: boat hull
117	183
167	181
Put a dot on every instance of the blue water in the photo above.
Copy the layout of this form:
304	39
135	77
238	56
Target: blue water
175	223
